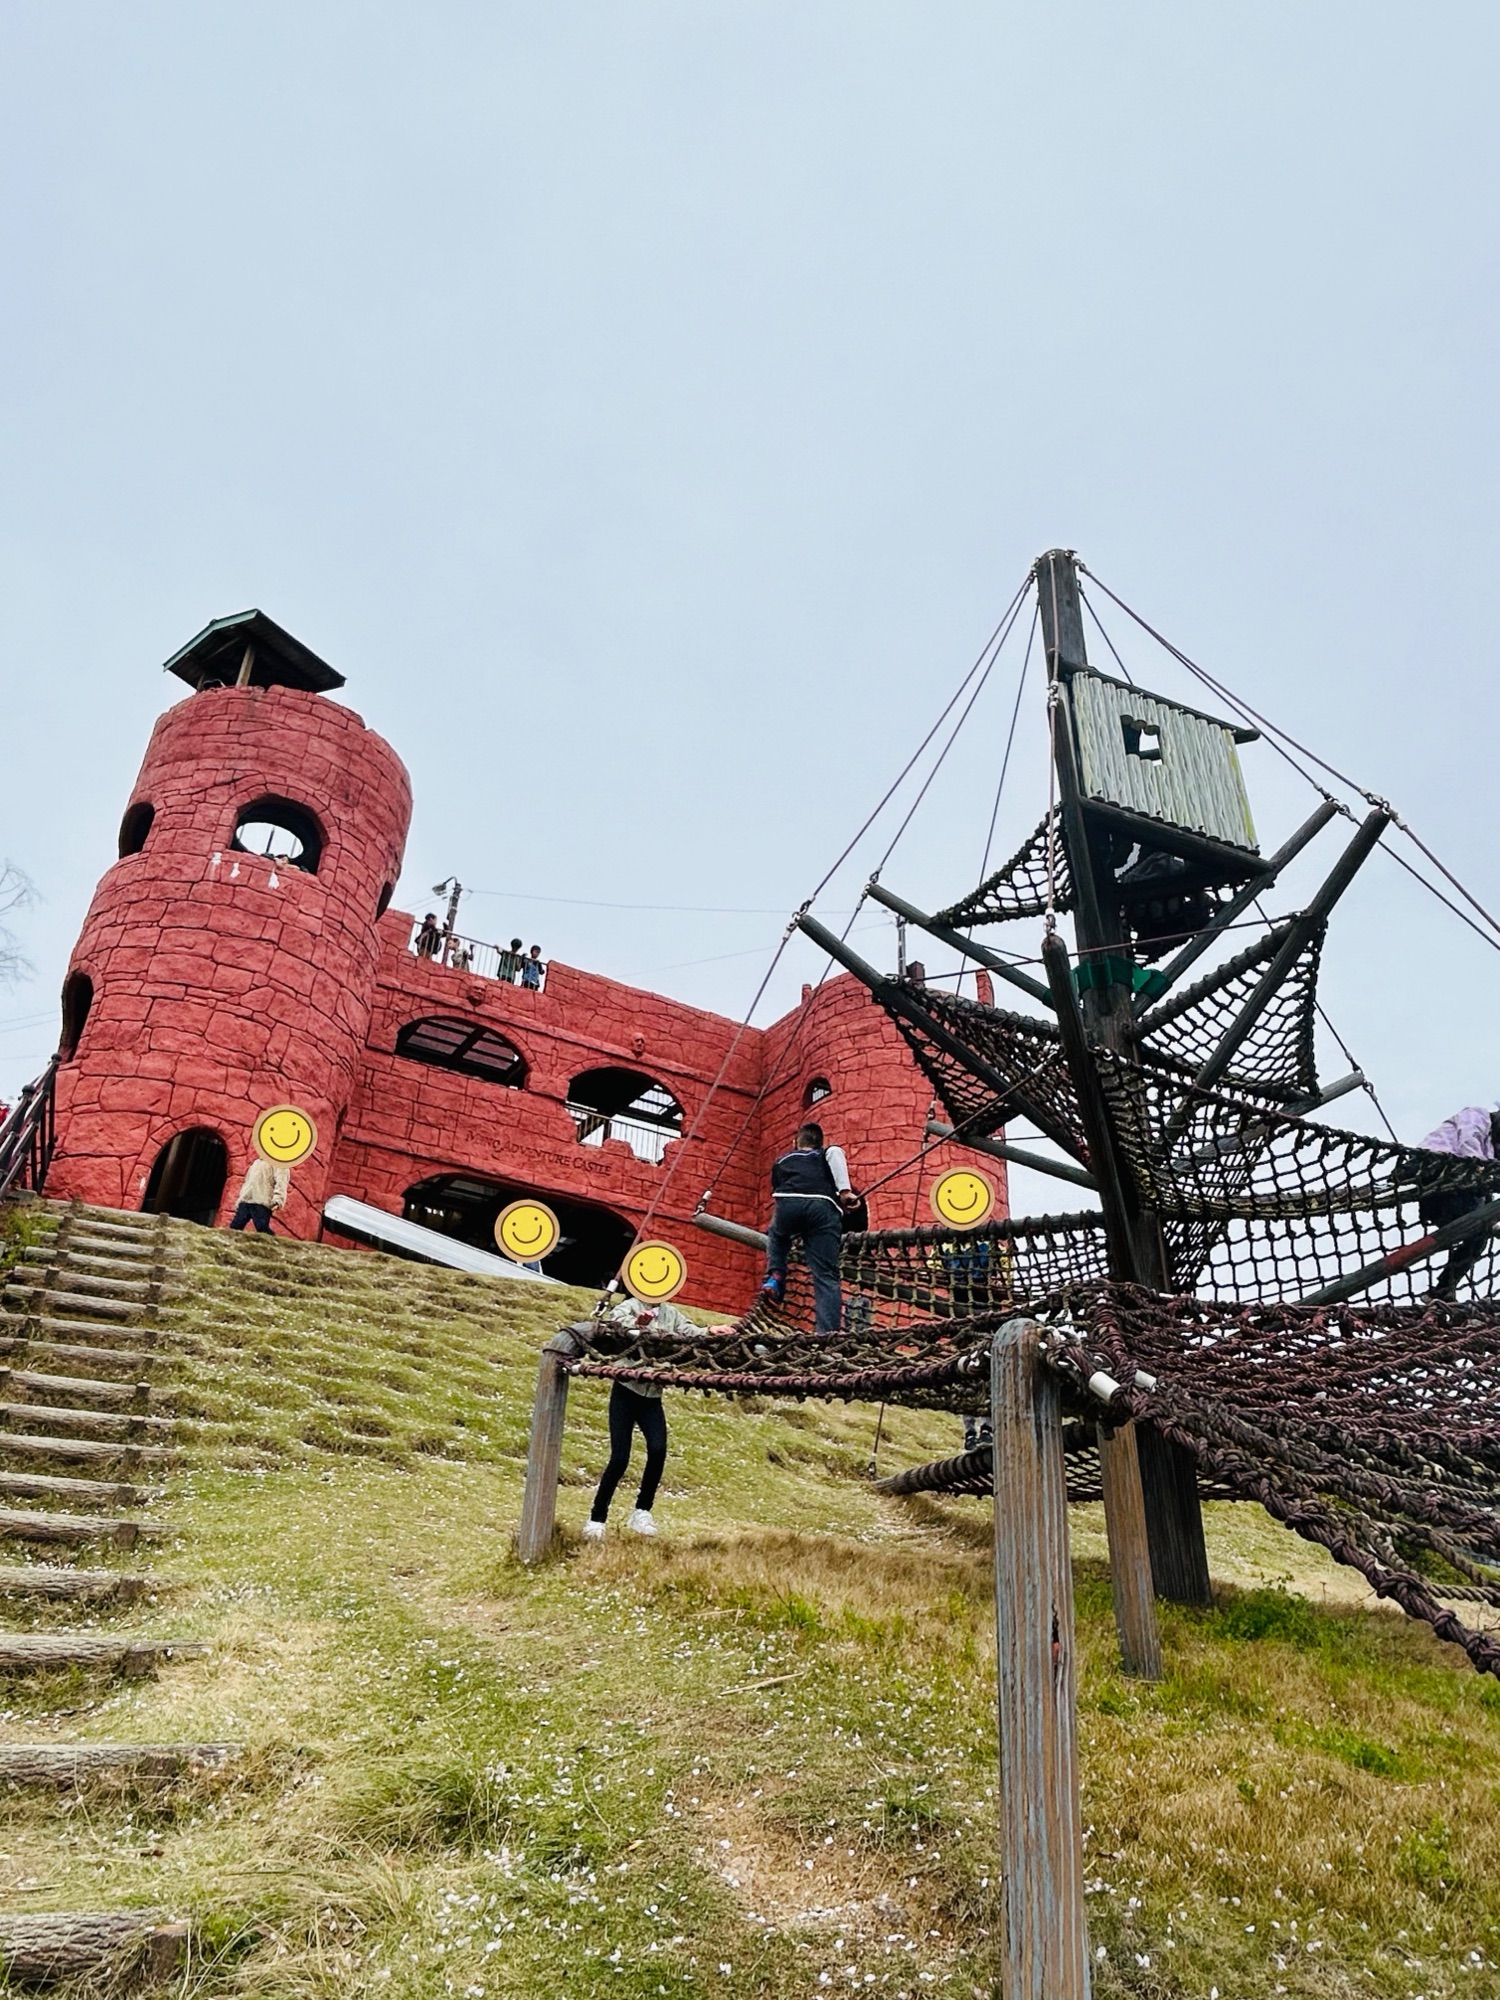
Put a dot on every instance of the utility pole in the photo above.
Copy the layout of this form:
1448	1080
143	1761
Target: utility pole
454	889
1174	1517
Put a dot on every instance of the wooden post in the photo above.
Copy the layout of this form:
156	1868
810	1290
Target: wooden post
1046	1936
544	1454
1130	1577
1174	1518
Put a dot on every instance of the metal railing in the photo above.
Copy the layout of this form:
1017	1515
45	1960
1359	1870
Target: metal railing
647	1142
29	1134
465	954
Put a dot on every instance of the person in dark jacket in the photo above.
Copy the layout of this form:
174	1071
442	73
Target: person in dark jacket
810	1191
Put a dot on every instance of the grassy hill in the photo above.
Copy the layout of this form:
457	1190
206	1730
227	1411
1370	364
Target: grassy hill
754	1757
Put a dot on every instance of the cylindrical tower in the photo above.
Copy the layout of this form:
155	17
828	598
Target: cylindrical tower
227	961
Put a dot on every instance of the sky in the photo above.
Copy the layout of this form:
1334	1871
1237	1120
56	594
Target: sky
652	409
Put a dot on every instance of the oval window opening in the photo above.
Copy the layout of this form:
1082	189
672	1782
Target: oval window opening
77	999
383	902
135	826
282	831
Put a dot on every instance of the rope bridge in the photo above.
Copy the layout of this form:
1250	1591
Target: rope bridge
1373	1433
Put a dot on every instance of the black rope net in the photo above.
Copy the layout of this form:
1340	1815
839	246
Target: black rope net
1019	889
1374	1433
1277	1058
987	1065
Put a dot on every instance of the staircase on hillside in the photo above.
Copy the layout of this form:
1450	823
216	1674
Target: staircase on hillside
85	1420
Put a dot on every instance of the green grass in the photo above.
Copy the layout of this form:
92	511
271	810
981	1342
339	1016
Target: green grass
754	1753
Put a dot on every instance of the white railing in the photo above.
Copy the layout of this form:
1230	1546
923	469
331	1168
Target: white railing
647	1142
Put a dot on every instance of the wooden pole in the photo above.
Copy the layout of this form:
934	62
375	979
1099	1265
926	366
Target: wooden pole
1046	1935
1130	1575
1174	1517
544	1454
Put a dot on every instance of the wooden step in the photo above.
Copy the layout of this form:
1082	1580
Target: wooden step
83	1451
86	1422
36	1299
91	1284
29	1325
25	1524
128	1946
41	1580
80	1492
103	1243
129	1361
60	1764
62	1388
44	1652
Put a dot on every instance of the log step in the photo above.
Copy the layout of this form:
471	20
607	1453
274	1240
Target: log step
55	1388
73	1763
23	1524
82	1492
39	1580
81	1451
88	1423
99	1243
93	1284
37	1299
59	1353
29	1325
128	1945
43	1652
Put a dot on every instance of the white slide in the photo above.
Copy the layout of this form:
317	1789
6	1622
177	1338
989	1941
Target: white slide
365	1224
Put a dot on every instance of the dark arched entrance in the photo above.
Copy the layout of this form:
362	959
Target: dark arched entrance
188	1178
594	1239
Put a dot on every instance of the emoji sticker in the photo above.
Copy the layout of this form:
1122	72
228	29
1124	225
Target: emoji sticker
284	1135
655	1272
963	1197
527	1231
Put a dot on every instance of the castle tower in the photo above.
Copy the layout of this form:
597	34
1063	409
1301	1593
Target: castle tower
227	962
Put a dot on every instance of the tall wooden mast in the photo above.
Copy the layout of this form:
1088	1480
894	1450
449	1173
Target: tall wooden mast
1104	980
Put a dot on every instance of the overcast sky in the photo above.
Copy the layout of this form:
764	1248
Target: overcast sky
651	409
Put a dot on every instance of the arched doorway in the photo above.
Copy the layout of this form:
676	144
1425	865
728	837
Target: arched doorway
594	1239
188	1178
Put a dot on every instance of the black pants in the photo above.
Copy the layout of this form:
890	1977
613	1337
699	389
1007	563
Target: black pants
627	1412
1438	1209
821	1228
257	1212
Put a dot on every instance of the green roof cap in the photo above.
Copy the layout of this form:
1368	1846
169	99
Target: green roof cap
277	659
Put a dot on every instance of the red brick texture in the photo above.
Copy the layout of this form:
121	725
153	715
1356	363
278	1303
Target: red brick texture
223	985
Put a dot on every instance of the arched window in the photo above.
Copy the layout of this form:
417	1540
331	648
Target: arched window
77	998
625	1104
594	1239
135	826
188	1178
816	1091
460	1045
282	831
383	902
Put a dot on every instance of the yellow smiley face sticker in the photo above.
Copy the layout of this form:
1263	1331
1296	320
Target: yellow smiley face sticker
963	1197
655	1272
284	1135
527	1231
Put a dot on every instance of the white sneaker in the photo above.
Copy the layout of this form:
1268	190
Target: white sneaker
593	1531
641	1523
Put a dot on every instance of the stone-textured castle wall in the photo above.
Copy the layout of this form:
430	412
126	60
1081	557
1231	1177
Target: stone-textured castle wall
224	984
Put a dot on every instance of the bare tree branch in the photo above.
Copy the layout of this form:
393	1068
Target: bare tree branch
17	892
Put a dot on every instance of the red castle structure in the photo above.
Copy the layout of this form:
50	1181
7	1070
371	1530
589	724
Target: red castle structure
242	952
